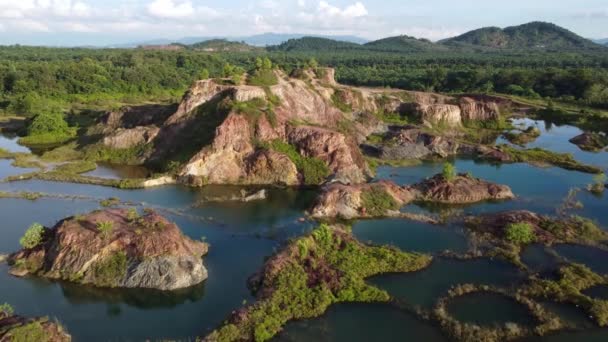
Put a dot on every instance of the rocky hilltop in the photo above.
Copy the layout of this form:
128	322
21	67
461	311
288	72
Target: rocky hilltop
115	248
305	129
17	328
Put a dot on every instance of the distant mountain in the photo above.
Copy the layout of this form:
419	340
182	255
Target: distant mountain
601	41
534	35
315	44
404	44
266	39
222	45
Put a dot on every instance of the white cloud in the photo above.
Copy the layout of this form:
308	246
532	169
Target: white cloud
170	9
352	11
30	25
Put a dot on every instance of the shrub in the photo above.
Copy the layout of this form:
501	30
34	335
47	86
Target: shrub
7	309
599	183
132	215
520	233
33	236
449	172
29	332
105	227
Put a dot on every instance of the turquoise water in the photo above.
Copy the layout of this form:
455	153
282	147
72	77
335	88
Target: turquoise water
242	235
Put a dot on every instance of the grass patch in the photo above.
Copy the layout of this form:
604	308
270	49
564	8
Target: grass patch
325	267
123	156
32	237
76	167
520	233
79	179
539	155
26	161
338	98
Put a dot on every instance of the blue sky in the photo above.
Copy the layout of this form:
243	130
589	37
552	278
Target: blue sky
81	22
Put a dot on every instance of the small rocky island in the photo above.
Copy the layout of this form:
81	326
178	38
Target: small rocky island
17	328
113	248
385	198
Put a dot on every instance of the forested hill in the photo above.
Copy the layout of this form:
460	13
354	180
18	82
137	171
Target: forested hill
535	35
315	44
404	44
222	45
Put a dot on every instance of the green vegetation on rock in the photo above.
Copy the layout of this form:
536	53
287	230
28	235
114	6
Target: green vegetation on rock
33	236
538	155
520	233
325	267
449	172
314	170
110	270
573	279
377	202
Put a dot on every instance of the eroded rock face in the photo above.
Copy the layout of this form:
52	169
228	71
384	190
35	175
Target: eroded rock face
461	190
12	326
115	248
473	110
344	201
440	114
593	142
127	138
340	153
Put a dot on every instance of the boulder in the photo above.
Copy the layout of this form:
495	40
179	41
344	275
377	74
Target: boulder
593	142
412	143
115	248
464	189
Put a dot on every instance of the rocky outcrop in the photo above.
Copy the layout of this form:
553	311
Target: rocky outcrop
347	202
270	167
473	110
524	137
17	328
115	248
593	142
413	143
340	153
547	230
463	189
445	115
385	198
127	138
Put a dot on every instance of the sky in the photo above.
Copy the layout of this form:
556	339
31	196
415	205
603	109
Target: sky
89	22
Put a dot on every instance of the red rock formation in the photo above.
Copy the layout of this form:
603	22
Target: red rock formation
112	248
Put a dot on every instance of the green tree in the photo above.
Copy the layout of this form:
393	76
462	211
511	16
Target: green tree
267	64
48	122
33	236
312	63
449	172
204	74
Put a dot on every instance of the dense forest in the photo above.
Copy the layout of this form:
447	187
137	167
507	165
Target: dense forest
35	79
